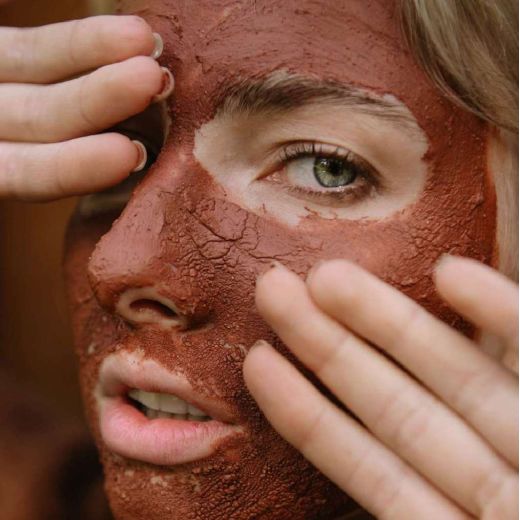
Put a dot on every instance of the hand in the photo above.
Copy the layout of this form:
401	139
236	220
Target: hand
439	440
50	145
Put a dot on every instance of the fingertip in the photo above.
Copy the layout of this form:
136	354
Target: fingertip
143	78
138	37
117	38
325	276
271	287
449	268
256	362
258	345
118	157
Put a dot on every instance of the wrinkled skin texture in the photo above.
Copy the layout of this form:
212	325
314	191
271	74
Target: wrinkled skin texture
180	232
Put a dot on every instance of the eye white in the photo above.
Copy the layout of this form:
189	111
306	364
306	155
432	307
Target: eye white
300	172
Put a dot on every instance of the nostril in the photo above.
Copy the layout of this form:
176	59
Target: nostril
148	306
153	306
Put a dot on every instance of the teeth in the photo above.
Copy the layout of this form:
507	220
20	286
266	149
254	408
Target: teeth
166	406
163	415
151	414
148	399
195	411
172	404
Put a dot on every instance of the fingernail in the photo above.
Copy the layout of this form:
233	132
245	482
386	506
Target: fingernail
273	265
313	270
259	344
167	88
159	46
143	156
444	259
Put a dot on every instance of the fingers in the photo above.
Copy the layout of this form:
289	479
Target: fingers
44	172
82	106
388	402
55	52
338	446
478	388
481	294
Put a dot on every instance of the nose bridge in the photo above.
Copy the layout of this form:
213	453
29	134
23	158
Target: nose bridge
142	269
135	242
133	270
129	253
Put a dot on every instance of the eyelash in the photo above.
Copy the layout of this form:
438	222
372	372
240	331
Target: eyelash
370	178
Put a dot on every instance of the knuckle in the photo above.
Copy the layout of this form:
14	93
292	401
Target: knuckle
85	89
8	171
496	496
406	331
332	357
60	180
305	436
403	420
30	115
387	492
18	48
76	28
386	481
25	50
474	391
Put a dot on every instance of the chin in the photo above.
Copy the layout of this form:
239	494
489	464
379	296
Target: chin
220	489
230	465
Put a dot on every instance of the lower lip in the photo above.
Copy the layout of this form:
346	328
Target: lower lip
127	432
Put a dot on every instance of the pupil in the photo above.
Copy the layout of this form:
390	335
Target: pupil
333	173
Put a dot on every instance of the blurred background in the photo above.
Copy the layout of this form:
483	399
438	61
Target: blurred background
48	467
35	339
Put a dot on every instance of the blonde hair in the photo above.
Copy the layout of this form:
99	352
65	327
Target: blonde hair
469	49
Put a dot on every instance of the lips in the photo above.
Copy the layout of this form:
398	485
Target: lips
151	414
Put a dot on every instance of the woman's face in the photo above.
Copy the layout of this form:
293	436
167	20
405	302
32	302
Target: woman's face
299	131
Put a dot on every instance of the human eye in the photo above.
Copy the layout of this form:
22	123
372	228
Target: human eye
324	174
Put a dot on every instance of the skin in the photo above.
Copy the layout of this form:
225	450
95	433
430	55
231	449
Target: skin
443	444
50	140
201	245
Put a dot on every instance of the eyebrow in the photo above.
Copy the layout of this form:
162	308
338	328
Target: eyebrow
282	92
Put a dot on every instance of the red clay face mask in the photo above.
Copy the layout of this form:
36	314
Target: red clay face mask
300	131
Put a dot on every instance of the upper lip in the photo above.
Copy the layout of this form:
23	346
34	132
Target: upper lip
123	371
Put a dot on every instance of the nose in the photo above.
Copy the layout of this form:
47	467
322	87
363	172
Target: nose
145	305
134	270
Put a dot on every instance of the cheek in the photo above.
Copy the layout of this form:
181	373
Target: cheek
454	215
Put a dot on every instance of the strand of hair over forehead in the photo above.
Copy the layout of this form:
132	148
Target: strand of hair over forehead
470	50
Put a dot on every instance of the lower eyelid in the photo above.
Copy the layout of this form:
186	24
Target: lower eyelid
332	197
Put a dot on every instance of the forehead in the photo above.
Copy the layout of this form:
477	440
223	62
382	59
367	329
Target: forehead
212	42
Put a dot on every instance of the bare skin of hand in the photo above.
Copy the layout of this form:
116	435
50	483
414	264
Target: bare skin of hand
61	85
441	444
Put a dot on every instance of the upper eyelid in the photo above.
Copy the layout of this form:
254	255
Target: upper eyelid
317	148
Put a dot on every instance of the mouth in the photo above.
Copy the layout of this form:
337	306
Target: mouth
151	414
165	406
